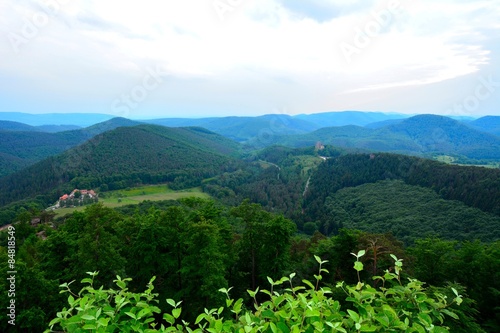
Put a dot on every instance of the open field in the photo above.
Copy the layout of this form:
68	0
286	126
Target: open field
136	195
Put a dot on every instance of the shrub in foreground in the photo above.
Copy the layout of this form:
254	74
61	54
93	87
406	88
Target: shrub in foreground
393	307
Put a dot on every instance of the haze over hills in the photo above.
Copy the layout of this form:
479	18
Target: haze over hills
334	119
77	119
244	128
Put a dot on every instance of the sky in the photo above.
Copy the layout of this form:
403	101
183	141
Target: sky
199	58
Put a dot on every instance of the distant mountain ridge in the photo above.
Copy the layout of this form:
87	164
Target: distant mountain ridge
78	119
489	124
22	145
6	125
422	134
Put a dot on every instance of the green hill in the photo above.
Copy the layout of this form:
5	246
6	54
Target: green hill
409	212
24	145
6	125
358	118
475	187
126	156
439	134
244	128
78	119
489	124
424	135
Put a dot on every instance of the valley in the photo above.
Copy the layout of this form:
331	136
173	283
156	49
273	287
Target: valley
202	209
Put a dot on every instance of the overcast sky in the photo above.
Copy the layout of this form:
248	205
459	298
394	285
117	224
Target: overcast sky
194	58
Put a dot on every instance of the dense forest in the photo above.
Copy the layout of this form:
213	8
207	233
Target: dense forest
194	247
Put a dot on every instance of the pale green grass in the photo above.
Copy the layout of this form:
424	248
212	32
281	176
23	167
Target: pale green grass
134	196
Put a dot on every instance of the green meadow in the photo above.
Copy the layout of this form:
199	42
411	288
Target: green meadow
135	195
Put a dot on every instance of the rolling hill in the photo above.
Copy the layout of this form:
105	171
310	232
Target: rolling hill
22	145
6	125
419	135
489	124
244	128
78	119
124	157
358	118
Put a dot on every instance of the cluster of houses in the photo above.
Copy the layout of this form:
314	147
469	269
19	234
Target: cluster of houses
76	198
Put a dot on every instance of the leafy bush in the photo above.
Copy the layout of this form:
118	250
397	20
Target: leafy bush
393	307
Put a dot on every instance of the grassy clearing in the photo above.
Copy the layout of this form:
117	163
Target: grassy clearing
136	195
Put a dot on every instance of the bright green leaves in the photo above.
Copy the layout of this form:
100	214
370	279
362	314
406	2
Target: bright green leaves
403	307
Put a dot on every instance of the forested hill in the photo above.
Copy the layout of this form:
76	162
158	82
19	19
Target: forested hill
490	124
475	187
124	157
22	145
419	135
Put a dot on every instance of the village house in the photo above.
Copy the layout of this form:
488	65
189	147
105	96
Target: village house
77	197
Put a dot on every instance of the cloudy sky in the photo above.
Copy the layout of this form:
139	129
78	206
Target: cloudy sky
193	58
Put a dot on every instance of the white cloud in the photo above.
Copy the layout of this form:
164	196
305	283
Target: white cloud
103	47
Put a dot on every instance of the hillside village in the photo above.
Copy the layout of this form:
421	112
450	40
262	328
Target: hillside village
76	198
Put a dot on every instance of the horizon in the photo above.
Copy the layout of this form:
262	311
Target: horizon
390	113
222	58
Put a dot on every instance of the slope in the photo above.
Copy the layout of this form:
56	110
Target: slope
244	128
424	135
78	119
6	125
409	212
476	187
439	134
358	118
123	157
489	124
21	148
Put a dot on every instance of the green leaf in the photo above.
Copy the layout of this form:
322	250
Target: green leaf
55	321
87	280
143	313
88	317
450	313
309	284
358	265
318	259
89	327
176	312
171	302
361	253
169	318
199	318
273	327
353	315
131	315
103	322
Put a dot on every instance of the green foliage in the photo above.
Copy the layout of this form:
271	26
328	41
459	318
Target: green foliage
395	307
409	212
474	186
